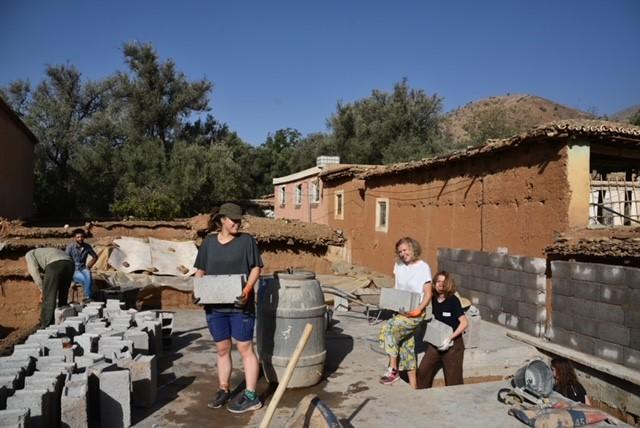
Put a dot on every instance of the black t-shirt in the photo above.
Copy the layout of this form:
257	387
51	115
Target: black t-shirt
237	256
448	311
575	392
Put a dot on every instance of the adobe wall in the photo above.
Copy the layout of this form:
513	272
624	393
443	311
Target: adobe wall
16	170
516	198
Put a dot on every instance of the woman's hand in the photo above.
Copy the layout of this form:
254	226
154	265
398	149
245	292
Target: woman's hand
242	299
414	313
446	344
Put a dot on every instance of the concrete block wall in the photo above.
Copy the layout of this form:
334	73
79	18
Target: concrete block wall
596	310
508	290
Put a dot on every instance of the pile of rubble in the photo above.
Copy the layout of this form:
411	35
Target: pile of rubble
92	365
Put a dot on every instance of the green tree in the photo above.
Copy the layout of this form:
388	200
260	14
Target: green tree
272	159
388	127
635	118
494	122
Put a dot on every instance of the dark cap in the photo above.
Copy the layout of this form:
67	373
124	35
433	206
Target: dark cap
233	211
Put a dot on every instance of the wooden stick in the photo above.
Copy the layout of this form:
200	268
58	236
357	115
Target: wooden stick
287	376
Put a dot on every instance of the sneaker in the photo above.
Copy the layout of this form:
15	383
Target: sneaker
218	401
390	376
244	404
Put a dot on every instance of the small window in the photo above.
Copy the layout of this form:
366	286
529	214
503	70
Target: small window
298	199
283	195
382	215
315	192
339	205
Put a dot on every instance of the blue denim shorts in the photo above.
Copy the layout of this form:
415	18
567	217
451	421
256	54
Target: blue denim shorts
224	325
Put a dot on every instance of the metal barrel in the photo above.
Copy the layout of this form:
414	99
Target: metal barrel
286	303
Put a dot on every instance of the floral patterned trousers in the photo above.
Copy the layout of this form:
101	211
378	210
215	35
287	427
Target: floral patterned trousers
397	339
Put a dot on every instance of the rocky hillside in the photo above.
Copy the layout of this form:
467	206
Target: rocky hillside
519	112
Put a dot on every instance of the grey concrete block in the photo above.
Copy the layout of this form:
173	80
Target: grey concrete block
615	333
560	269
632	319
38	348
498	289
631	358
534	265
38	403
115	398
509	306
487	314
464	269
15	418
17	372
563	320
75	404
477	270
444	253
586	290
491	273
585	325
218	288
610	274
632	277
584	271
140	340
398	300
73	327
114	304
515	263
144	379
508	276
497	260
494	302
44	362
610	313
608	351
532	281
560	303
582	343
11	382
62	313
614	294
562	286
479	258
508	320
531	327
514	292
533	297
536	313
458	254
87	342
155	336
634	338
88	360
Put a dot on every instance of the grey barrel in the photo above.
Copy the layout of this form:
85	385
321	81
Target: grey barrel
286	303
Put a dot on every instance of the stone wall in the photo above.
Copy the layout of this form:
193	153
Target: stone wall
596	310
508	290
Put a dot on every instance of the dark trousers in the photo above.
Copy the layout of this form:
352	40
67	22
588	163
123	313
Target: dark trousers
56	282
450	359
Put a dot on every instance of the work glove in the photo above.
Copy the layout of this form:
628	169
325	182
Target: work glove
414	313
446	344
242	299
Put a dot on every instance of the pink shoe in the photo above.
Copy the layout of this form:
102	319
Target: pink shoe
390	376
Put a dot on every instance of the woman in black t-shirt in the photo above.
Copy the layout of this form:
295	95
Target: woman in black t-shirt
447	309
566	381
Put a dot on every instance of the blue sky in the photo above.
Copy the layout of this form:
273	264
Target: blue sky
278	64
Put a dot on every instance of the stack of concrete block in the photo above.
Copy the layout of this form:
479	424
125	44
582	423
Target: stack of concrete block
508	290
144	379
595	311
37	401
16	418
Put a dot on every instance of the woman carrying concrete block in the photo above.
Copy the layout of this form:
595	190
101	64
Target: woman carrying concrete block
448	310
230	252
397	335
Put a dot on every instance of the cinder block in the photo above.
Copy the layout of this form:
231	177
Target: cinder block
631	358
44	362
37	401
508	320
463	269
585	325
533	297
560	336
498	289
515	263
491	273
608	351
532	281
398	300
73	327
582	307
560	269
481	284
514	292
614	294
531	327
144	380
562	320
582	343
560	303
536	313
38	348
155	336
457	254
16	418
62	313
28	364
477	270
487	314
436	332
562	286
586	290
494	302
534	265
584	271
10	383
140	340
497	260
610	274
444	253
616	333
632	277
115	398
610	313
634	338
16	372
509	306
508	276
218	288
479	258
87	342
88	360
115	304
632	319
74	404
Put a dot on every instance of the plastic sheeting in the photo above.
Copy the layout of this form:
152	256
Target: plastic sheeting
158	256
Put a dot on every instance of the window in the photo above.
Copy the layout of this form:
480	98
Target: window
298	199
283	195
339	205
315	191
382	215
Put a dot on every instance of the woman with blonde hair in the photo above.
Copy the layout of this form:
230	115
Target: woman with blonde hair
447	309
397	335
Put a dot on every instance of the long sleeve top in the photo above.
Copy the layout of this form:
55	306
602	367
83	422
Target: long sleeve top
39	258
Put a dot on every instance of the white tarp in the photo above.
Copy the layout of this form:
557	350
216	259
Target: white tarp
154	255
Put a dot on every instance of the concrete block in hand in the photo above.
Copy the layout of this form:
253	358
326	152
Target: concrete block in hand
437	332
218	288
398	300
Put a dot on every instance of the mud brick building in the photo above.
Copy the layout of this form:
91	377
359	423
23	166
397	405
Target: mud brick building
16	165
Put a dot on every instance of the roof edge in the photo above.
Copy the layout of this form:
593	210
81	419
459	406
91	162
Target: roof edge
18	121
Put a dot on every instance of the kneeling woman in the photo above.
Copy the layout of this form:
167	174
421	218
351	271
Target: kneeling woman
447	309
397	335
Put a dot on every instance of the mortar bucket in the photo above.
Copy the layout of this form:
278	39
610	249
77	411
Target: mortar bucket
536	378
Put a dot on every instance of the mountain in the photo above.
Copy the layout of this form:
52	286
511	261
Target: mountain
516	112
626	114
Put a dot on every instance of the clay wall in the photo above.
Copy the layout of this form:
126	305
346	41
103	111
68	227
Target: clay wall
16	169
516	198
